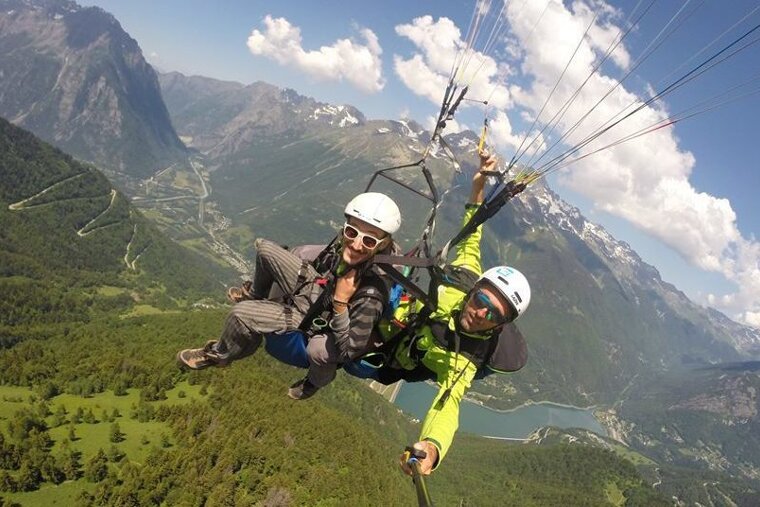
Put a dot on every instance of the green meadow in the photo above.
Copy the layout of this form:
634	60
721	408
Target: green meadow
93	432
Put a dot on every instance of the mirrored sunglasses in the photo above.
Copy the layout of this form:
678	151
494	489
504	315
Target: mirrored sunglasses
350	232
480	300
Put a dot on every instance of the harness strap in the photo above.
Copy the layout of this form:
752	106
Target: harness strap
391	345
301	281
288	311
317	308
410	286
302	272
403	260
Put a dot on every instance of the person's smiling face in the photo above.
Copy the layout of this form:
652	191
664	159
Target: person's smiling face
485	309
361	241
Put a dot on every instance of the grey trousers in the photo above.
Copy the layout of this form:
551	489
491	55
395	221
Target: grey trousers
248	321
324	358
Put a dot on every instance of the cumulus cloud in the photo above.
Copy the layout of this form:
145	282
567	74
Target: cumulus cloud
427	71
645	181
500	131
752	318
354	62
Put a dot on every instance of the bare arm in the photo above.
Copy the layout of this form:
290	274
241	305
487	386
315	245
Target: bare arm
487	163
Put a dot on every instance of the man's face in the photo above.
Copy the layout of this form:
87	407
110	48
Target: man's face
358	239
485	309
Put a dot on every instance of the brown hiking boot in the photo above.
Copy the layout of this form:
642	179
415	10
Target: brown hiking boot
303	389
197	359
242	293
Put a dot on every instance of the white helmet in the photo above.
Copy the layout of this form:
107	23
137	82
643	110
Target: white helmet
512	284
375	209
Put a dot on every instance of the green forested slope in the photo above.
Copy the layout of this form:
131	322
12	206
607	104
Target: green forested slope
244	442
65	231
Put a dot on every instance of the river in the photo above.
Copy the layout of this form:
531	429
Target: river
415	399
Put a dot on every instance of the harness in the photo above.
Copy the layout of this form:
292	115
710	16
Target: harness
327	263
317	316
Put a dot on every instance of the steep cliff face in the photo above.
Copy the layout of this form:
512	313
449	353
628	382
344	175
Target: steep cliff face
73	77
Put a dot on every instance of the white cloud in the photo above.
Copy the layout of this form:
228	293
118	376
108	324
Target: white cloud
348	60
500	131
420	78
645	181
752	318
427	72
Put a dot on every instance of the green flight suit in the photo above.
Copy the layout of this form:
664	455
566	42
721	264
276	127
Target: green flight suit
442	422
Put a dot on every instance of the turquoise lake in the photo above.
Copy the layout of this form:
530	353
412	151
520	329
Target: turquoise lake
415	399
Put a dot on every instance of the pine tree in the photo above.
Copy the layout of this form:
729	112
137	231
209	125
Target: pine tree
29	477
89	417
69	464
96	469
7	483
116	435
115	454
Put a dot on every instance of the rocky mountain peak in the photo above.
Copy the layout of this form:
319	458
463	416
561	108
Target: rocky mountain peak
547	206
75	78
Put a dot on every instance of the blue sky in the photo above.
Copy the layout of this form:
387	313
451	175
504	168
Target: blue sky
684	197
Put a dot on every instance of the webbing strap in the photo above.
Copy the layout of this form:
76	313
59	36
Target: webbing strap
317	307
486	210
302	271
409	285
288	311
403	260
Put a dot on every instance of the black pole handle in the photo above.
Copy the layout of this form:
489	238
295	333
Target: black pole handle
423	496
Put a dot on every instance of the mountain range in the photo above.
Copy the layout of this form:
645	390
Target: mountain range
214	164
603	323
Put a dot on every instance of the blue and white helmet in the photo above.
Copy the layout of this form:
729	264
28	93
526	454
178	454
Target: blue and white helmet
511	284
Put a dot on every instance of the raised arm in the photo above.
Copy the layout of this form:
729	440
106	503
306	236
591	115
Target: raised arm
468	250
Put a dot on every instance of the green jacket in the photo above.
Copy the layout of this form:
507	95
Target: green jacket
442	422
